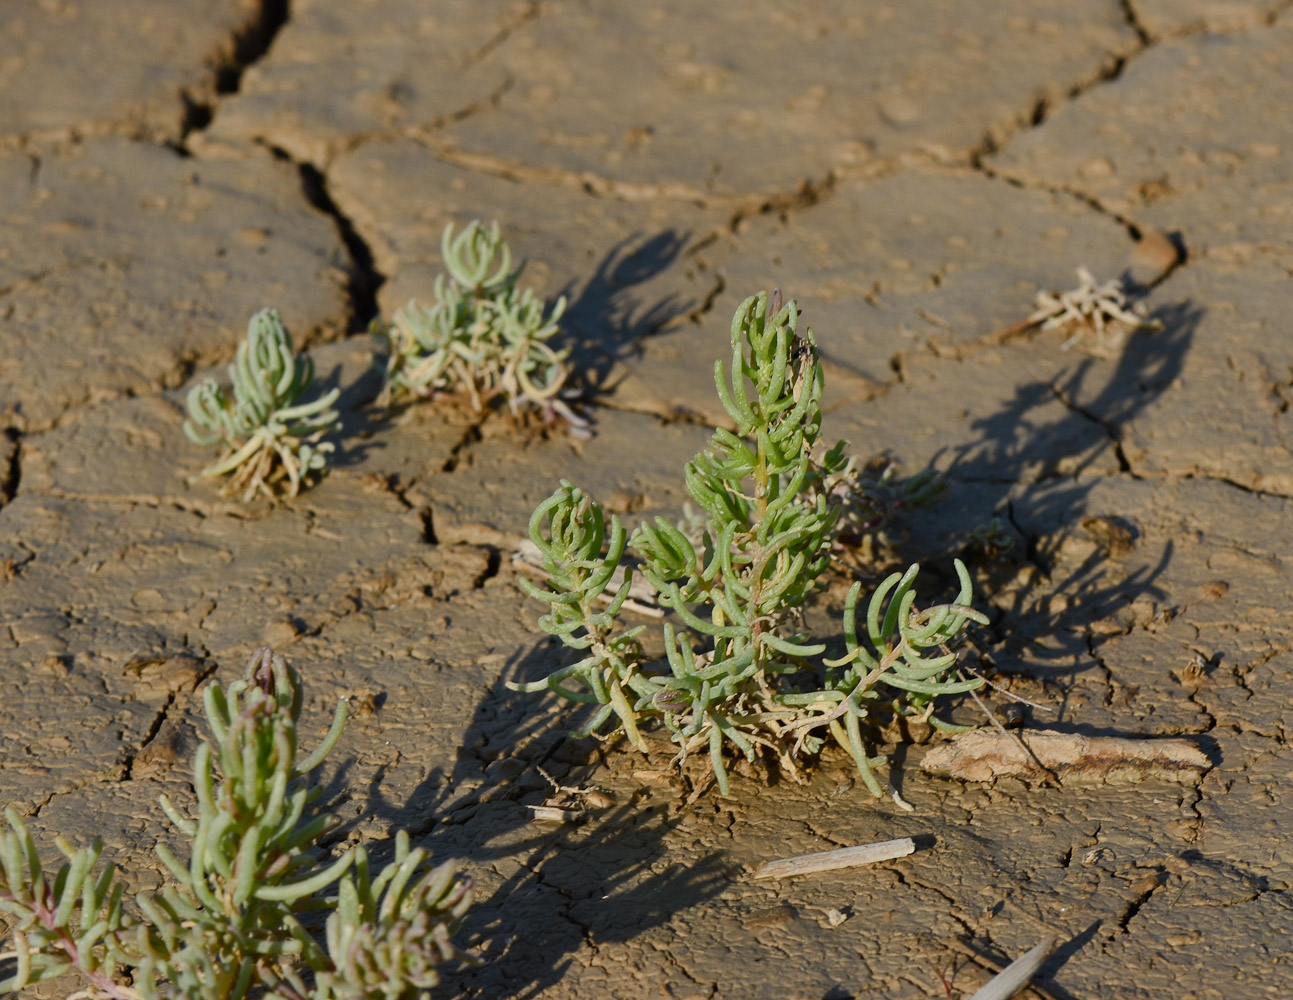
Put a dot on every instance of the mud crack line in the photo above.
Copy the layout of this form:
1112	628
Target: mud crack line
1112	431
246	47
527	14
11	473
362	277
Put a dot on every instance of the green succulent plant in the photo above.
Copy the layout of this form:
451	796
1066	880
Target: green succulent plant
231	926
740	674
272	443
481	336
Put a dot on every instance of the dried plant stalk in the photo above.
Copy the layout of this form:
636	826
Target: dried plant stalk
1015	976
844	857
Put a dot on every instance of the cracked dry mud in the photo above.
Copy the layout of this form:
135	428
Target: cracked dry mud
913	173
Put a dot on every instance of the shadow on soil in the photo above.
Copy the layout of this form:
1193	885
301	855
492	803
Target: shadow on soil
563	886
1033	632
606	320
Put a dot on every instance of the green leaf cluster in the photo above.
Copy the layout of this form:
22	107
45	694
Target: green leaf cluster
481	336
268	436
740	674
231	924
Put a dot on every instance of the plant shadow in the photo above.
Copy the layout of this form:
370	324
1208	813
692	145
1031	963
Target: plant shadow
556	887
606	321
1037	475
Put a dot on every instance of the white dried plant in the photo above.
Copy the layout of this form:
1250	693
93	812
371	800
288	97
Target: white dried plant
1102	309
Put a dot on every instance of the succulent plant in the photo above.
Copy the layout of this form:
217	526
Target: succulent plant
481	336
230	926
272	442
740	673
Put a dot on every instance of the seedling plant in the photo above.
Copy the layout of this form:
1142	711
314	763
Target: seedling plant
232	925
739	672
272	443
482	336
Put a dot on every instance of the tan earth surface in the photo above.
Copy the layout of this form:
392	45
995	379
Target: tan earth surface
913	173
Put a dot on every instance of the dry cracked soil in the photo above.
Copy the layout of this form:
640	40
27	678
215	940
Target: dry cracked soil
913	173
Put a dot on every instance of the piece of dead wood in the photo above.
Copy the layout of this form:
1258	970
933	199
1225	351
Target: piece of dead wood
844	857
1014	977
984	754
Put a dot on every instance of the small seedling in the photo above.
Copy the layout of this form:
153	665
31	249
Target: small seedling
1101	309
481	336
739	671
993	539
272	443
231	926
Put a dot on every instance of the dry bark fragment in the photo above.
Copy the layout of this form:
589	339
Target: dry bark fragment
984	754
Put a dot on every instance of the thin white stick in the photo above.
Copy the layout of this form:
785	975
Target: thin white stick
555	814
845	857
1015	976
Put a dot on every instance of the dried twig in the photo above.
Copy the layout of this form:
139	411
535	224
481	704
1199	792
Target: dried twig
1015	976
1018	698
555	814
844	857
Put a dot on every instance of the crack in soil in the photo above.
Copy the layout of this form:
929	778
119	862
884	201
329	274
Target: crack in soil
186	505
1103	667
11	475
110	777
815	831
364	279
528	14
1032	548
1112	431
421	132
1234	483
159	719
1210	719
252	44
1148	886
492	566
1042	108
696	314
462	447
598	185
247	46
1134	22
